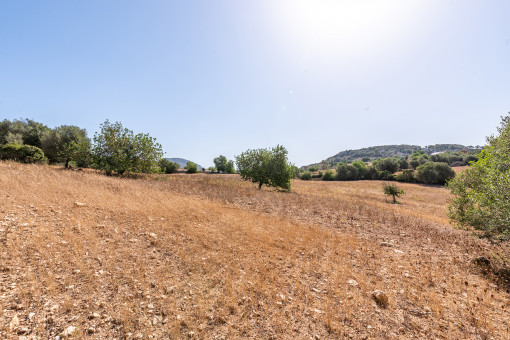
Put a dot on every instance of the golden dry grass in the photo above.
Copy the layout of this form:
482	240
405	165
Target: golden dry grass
212	257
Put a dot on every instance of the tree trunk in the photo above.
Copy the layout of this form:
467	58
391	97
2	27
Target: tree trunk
67	163
260	185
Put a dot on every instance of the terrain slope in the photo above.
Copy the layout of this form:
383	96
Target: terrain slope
211	257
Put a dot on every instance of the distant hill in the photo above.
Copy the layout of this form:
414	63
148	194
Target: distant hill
182	162
383	151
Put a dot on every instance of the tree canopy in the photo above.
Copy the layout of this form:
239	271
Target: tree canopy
266	167
482	192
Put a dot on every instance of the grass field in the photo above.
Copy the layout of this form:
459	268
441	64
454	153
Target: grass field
205	256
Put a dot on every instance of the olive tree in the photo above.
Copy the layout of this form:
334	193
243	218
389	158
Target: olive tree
266	167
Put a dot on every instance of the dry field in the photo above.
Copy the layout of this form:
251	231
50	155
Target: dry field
211	257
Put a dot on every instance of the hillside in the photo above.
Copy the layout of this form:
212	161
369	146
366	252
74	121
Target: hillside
182	162
211	257
382	151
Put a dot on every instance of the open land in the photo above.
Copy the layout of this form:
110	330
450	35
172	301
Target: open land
206	256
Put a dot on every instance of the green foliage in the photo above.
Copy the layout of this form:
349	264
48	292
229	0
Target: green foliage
168	167
66	143
385	175
387	164
191	168
223	165
313	168
117	149
26	131
403	163
407	175
392	190
22	153
328	176
362	168
482	192
346	172
371	173
317	175
306	176
266	167
434	173
212	169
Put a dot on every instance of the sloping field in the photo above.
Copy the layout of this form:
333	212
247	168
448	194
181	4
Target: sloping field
211	257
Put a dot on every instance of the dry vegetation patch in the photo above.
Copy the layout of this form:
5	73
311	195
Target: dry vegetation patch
210	256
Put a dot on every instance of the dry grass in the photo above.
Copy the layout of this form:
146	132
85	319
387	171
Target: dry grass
210	256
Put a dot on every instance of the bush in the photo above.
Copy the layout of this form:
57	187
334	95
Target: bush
371	173
406	175
387	164
317	175
346	172
386	175
434	173
328	176
22	153
481	192
191	168
306	176
168	167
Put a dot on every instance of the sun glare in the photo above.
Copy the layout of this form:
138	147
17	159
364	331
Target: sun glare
328	27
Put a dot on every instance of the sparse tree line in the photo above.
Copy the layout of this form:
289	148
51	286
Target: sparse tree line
418	168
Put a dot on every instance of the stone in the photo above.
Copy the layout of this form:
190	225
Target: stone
380	298
79	204
386	244
352	282
69	331
14	323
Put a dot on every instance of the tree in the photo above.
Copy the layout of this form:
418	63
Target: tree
223	165
168	167
434	173
306	176
482	192
22	153
266	167
211	169
328	176
118	149
362	168
346	172
392	190
387	164
66	143
191	168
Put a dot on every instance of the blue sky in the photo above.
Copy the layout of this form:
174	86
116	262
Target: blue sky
219	77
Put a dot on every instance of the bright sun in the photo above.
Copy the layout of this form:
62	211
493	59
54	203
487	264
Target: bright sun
329	27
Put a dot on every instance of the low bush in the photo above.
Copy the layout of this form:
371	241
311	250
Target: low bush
328	176
306	176
22	153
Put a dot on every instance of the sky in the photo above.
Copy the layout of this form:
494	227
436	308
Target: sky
219	77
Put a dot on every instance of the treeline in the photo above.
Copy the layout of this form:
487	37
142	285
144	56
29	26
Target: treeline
419	168
385	151
114	149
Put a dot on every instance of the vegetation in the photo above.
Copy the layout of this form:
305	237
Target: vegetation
434	173
191	168
482	192
266	167
328	176
392	190
168	167
306	176
223	165
67	143
346	172
117	149
22	153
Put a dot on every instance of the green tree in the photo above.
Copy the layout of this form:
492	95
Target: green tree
387	164
328	176
392	190
346	172
191	168
362	168
434	173
266	167
168	167
66	143
117	149
482	192
306	176
220	163
22	153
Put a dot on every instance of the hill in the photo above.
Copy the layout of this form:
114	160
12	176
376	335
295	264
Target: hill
182	162
212	257
383	151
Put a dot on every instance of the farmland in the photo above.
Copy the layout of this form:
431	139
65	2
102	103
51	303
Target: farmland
206	256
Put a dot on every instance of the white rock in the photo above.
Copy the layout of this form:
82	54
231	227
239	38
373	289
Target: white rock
14	323
352	282
79	204
68	331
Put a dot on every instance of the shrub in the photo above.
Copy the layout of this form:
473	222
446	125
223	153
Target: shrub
328	176
386	175
406	175
434	173
317	175
481	192
22	153
346	172
191	168
306	176
389	164
168	167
